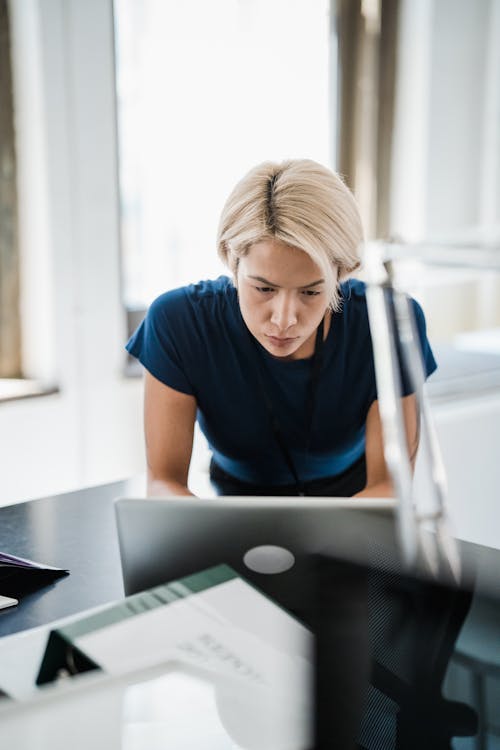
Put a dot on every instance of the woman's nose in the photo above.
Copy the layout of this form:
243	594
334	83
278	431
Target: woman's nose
284	314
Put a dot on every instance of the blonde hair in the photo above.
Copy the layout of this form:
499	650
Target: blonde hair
301	203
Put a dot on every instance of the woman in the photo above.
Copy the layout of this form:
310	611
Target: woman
276	363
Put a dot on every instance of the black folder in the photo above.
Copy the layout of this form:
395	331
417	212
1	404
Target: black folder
19	576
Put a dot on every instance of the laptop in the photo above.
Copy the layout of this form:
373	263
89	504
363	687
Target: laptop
268	541
384	636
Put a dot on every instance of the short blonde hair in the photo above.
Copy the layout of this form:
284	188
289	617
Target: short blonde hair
301	203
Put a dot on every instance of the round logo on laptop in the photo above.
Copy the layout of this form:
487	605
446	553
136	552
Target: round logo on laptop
268	558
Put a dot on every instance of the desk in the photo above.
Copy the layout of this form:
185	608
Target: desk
75	530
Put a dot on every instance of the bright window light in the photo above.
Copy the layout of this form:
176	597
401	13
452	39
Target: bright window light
205	92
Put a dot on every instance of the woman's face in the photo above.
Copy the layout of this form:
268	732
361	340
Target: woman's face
283	297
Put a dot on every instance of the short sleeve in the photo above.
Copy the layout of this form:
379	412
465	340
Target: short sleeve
425	348
159	342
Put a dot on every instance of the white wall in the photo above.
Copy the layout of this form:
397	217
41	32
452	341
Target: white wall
470	438
459	57
91	431
446	182
446	167
469	435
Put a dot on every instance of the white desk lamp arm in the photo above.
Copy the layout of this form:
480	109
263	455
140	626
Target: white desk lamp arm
441	549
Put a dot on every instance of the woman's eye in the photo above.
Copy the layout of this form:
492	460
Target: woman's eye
264	289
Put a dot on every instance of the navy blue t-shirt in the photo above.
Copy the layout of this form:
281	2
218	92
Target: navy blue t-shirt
194	340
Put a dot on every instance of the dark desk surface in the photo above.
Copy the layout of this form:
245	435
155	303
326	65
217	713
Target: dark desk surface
76	531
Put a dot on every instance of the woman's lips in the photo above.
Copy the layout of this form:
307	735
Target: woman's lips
281	342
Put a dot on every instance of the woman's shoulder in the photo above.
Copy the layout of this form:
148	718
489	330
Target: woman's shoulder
203	294
353	308
353	300
221	289
354	312
353	290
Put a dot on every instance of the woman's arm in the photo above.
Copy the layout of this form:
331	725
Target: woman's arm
378	481
169	418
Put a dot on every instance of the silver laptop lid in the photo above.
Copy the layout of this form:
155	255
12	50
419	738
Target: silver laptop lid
268	541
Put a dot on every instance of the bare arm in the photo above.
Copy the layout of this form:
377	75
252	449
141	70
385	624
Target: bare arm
169	418
378	481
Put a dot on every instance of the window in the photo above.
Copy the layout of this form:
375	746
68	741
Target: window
26	325
205	92
10	328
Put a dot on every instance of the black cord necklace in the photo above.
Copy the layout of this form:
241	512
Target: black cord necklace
317	363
